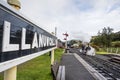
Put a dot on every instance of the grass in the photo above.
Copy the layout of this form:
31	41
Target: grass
1	76
38	68
110	50
101	53
58	54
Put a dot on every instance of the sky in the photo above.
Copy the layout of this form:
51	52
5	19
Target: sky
81	19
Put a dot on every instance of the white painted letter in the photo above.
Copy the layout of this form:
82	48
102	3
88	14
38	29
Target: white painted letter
35	41
48	41
6	39
45	41
23	45
40	40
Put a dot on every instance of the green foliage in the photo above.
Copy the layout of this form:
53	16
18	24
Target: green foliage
1	76
116	36
101	53
72	42
104	38
116	44
104	49
95	46
58	54
110	50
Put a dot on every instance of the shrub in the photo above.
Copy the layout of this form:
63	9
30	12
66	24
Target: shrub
116	44
96	47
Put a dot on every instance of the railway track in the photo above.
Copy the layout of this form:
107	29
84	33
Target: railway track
114	58
103	64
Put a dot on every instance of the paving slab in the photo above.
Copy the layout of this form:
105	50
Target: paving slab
74	70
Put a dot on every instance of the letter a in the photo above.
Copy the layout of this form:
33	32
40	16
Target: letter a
35	41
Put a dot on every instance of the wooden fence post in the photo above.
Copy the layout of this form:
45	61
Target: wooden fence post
10	74
111	50
107	50
116	50
52	57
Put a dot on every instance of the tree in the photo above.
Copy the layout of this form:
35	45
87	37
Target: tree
116	36
104	37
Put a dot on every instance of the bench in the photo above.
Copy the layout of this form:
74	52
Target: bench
58	71
61	73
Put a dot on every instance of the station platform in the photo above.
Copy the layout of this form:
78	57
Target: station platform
74	69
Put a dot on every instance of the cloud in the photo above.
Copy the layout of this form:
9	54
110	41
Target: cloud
79	35
85	16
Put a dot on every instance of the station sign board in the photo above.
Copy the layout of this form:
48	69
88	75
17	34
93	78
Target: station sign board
20	36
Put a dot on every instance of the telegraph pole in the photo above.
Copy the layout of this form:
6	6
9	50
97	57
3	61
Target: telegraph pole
55	31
